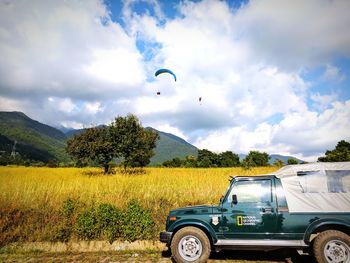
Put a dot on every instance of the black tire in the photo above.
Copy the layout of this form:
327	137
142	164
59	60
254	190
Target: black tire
332	246
189	245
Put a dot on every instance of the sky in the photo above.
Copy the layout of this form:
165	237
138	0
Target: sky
272	75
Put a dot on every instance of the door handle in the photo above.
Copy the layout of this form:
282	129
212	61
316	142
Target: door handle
267	210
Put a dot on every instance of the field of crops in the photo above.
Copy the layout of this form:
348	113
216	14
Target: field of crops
31	199
35	187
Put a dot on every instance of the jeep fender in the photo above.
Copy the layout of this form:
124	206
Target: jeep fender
325	224
195	223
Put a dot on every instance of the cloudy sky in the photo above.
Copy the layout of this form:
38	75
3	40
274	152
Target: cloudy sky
273	75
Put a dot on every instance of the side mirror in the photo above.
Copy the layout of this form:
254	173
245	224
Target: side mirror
234	199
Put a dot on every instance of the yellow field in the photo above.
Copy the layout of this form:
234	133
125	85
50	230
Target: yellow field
32	199
27	187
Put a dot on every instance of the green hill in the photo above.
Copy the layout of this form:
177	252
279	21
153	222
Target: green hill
170	146
35	140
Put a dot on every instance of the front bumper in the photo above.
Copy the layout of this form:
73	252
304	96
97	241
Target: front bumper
165	237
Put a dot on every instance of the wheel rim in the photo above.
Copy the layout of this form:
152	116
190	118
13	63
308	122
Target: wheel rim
337	251
190	248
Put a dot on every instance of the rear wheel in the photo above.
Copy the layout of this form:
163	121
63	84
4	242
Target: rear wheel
332	246
190	244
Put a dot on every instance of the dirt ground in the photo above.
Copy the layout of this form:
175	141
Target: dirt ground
285	256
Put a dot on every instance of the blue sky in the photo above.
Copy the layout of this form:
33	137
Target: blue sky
273	75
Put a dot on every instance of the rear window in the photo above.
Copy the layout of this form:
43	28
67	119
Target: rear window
325	181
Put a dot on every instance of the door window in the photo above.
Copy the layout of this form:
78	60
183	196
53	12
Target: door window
258	191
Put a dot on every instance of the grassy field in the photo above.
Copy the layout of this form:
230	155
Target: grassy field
31	199
34	187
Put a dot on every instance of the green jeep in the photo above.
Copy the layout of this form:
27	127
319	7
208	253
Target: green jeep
300	206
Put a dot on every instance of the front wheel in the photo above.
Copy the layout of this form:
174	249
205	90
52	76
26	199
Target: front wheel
332	246
190	244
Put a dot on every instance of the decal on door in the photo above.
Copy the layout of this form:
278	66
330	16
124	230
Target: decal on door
246	220
215	219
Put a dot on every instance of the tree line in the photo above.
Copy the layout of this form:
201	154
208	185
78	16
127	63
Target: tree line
208	159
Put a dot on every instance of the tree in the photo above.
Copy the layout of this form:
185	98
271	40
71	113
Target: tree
190	161
207	158
341	153
278	163
256	158
93	145
175	162
124	138
292	161
228	159
132	142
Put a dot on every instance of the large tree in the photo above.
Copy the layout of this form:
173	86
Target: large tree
125	138
93	145
256	158
132	142
228	159
207	158
341	153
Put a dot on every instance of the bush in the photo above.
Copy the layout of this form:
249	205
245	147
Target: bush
109	221
137	222
104	219
87	227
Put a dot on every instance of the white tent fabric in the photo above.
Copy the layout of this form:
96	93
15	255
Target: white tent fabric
317	187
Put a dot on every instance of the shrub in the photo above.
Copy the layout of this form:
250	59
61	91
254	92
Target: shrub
137	222
109	221
104	219
86	226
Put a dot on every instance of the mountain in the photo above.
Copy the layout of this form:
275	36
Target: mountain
170	146
34	140
10	146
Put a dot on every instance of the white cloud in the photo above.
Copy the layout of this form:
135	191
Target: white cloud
8	104
72	124
93	107
64	105
245	64
70	51
306	134
296	34
118	66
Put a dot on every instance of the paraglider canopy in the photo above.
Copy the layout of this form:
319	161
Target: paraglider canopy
164	70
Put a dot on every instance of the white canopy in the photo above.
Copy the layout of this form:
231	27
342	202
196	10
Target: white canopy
316	187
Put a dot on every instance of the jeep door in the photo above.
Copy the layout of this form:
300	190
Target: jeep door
249	210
